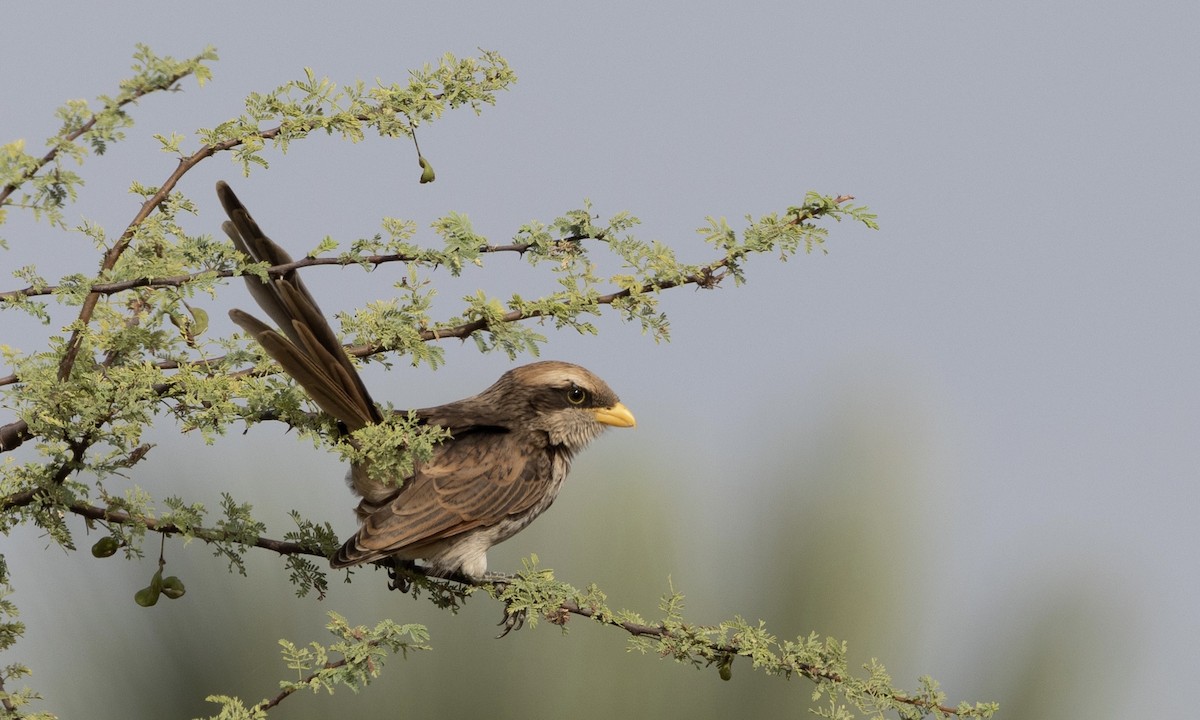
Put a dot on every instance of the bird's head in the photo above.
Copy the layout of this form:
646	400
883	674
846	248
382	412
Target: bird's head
566	401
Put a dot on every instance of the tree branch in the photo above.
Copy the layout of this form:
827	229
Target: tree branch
112	288
5	701
95	512
14	434
811	672
266	705
86	127
558	615
571	607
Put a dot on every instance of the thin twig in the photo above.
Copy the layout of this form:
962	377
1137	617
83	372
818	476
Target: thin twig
112	288
5	701
95	512
810	671
268	704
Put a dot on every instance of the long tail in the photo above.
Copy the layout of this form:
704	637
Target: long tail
308	349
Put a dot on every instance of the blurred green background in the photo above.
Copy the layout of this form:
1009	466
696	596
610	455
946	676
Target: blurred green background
964	444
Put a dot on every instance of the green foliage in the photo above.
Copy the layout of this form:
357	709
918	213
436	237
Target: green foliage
236	533
363	652
48	182
233	708
374	446
301	107
317	539
535	592
398	322
13	703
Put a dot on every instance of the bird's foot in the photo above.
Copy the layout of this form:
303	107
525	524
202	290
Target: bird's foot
499	580
512	620
398	578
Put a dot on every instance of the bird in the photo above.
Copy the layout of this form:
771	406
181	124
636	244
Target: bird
508	450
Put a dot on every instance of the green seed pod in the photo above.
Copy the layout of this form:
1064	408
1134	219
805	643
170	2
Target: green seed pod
725	669
173	587
199	320
146	597
106	546
156	582
427	175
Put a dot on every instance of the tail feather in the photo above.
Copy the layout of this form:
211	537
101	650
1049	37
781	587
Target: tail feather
308	349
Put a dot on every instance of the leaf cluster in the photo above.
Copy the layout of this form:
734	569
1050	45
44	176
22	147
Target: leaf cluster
48	183
13	704
298	108
316	539
363	652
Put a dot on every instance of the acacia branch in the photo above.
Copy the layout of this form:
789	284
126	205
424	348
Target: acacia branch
153	202
86	127
15	433
114	253
567	607
809	671
95	512
5	700
112	288
266	705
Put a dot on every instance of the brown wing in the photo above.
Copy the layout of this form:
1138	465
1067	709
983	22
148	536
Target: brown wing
310	352
474	481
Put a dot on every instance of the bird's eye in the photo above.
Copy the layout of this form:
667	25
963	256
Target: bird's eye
576	395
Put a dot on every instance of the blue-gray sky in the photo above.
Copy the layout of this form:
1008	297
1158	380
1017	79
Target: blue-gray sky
1022	331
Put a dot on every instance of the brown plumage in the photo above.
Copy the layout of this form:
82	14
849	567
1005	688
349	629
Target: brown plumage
510	447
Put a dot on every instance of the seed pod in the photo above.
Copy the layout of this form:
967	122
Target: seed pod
106	546
173	587
725	669
427	175
199	320
146	597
